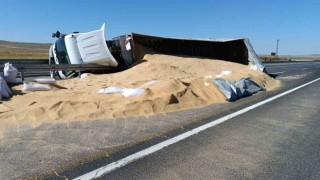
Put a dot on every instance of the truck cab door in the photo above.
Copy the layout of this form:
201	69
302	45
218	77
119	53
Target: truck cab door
93	48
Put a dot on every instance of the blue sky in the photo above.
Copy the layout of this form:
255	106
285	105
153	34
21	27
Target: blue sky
295	23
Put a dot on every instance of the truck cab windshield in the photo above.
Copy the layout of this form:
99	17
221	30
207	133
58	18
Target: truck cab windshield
62	54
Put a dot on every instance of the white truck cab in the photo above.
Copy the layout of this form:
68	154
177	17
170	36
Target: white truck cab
80	48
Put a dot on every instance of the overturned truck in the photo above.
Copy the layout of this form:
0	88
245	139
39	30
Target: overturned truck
123	51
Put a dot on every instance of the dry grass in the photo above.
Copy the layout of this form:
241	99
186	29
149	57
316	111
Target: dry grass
23	54
17	50
310	57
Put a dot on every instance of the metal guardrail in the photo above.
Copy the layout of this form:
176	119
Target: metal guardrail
59	67
17	62
36	66
41	65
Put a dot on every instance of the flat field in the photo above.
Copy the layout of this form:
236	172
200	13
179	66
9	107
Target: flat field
20	50
309	57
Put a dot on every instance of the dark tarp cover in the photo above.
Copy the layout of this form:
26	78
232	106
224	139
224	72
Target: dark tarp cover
236	90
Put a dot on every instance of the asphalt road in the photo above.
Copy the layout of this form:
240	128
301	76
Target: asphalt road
279	140
58	150
293	69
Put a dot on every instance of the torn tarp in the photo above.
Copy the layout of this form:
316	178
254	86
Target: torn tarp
227	88
236	90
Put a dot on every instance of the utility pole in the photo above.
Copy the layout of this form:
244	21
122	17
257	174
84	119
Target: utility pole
277	48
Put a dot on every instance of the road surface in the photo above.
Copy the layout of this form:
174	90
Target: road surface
59	151
278	140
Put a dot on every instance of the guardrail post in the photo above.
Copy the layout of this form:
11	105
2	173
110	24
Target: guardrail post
22	76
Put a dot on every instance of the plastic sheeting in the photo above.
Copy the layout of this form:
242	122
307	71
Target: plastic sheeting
254	60
5	91
236	90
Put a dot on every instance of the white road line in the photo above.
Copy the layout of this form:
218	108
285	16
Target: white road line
303	69
278	72
131	158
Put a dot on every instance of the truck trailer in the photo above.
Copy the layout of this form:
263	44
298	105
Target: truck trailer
123	51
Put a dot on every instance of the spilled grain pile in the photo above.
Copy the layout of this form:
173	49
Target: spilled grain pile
178	83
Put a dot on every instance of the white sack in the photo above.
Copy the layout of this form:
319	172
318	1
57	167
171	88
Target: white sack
10	73
28	86
5	91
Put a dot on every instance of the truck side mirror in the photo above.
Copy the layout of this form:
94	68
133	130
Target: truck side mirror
57	34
